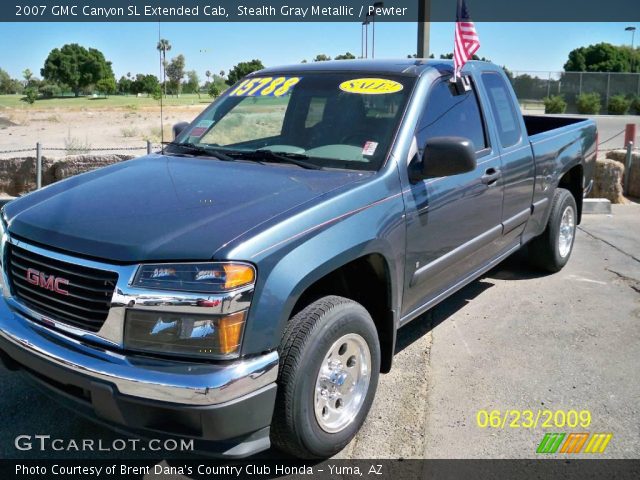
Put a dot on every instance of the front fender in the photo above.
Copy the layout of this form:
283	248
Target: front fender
286	268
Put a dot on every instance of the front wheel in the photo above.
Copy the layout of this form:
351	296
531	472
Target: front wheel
551	250
329	367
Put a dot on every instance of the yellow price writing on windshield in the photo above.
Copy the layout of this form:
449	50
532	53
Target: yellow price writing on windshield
264	87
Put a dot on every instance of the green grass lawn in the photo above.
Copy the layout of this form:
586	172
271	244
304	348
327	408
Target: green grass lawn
114	101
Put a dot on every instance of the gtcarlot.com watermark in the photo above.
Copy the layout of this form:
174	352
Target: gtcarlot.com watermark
45	443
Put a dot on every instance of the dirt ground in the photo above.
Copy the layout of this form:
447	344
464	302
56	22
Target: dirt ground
89	128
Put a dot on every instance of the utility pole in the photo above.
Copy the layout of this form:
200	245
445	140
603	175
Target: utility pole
633	39
424	27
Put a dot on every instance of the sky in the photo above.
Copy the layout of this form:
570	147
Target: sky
218	46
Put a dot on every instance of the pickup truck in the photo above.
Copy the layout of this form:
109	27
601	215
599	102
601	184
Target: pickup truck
244	286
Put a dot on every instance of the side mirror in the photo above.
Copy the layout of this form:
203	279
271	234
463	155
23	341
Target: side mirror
444	157
178	128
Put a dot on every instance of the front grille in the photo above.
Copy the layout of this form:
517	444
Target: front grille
90	290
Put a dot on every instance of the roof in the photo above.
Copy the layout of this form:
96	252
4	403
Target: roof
408	66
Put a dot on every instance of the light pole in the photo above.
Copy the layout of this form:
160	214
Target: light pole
633	38
365	24
373	27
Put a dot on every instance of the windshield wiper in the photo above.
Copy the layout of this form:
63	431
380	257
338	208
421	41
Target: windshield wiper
200	149
277	157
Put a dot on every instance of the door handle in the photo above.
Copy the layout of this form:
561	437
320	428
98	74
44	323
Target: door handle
491	176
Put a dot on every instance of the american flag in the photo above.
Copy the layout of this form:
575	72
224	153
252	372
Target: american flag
467	40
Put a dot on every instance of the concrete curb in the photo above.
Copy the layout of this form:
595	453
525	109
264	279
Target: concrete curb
596	206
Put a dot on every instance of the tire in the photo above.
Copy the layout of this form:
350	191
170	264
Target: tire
551	250
301	425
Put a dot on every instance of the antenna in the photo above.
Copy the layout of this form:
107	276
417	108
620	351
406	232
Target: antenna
164	81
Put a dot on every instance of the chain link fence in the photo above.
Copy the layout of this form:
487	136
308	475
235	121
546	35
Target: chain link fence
532	87
39	148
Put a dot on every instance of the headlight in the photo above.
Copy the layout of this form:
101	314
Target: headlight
188	335
194	277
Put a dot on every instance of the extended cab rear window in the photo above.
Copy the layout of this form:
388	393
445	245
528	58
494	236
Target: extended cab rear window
507	119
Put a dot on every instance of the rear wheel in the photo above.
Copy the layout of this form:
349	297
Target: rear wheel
551	250
329	367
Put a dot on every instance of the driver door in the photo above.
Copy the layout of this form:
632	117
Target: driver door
454	222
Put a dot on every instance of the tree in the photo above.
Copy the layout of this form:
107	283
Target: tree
9	85
449	56
163	47
322	58
193	82
243	69
28	76
106	86
222	73
346	56
76	67
175	72
145	84
208	75
214	91
30	95
124	84
603	57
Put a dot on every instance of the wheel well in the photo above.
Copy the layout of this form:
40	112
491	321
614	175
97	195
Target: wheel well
366	281
572	181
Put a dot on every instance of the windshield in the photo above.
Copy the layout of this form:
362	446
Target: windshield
312	119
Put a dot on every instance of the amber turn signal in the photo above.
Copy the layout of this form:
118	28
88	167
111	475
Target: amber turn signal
237	275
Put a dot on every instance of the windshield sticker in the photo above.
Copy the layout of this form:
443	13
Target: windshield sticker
369	148
197	132
371	86
265	87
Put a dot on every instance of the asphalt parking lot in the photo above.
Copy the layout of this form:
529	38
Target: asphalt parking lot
515	339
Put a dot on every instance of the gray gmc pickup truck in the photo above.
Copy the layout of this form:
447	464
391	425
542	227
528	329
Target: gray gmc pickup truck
245	285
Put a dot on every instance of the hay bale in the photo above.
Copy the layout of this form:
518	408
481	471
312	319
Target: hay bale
607	182
633	189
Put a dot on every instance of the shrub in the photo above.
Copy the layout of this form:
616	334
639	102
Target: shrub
555	104
588	103
635	105
49	90
30	95
75	146
129	132
619	105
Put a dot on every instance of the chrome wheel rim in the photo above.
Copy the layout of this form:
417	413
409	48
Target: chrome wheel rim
342	383
567	230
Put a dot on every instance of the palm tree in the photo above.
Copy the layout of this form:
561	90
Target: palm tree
163	47
208	74
222	73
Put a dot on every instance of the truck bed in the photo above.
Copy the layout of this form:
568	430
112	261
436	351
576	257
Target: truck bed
542	123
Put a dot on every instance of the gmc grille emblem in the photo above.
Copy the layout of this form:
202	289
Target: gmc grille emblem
51	282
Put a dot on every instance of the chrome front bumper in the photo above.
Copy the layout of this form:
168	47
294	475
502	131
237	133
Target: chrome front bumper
194	384
100	355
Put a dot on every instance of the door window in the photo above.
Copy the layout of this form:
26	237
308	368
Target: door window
448	115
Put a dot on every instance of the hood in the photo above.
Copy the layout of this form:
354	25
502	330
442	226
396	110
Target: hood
164	208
